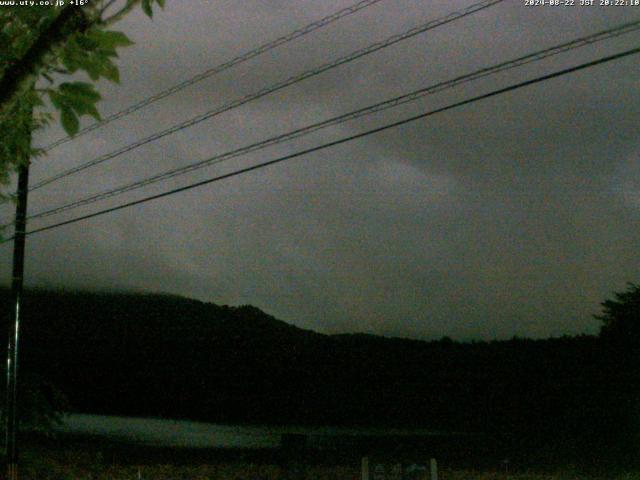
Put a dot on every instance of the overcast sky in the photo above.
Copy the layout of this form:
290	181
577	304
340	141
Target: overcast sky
516	215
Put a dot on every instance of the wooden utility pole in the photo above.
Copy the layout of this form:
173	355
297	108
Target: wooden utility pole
11	404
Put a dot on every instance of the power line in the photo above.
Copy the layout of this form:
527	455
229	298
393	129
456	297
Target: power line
493	93
378	107
275	87
219	68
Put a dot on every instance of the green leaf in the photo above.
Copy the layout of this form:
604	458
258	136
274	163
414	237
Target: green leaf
57	99
109	39
72	56
80	97
84	108
88	42
161	3
106	53
68	61
69	121
146	8
111	72
93	68
82	90
93	111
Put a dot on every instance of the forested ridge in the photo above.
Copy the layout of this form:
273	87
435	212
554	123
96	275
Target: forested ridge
169	356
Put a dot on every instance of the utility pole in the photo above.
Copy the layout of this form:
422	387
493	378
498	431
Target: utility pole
11	410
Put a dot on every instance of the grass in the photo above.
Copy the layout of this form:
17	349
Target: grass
567	474
265	472
81	467
90	460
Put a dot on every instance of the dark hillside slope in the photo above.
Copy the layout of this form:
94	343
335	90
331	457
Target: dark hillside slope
155	354
162	355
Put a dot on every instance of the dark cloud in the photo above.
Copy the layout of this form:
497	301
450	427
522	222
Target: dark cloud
512	216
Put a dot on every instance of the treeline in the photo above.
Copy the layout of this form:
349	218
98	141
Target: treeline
168	356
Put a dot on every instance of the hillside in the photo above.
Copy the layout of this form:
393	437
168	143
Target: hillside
168	356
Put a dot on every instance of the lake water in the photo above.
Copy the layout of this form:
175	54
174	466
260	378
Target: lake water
182	433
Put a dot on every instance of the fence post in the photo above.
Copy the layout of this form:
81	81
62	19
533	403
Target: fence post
365	468
434	469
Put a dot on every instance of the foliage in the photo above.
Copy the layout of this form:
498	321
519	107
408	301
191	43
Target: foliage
15	140
620	367
41	45
41	404
621	316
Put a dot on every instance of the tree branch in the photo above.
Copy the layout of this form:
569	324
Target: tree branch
120	13
17	77
107	6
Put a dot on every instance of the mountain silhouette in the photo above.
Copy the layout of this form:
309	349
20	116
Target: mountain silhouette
169	356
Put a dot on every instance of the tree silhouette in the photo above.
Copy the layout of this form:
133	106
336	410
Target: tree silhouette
620	369
621	317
